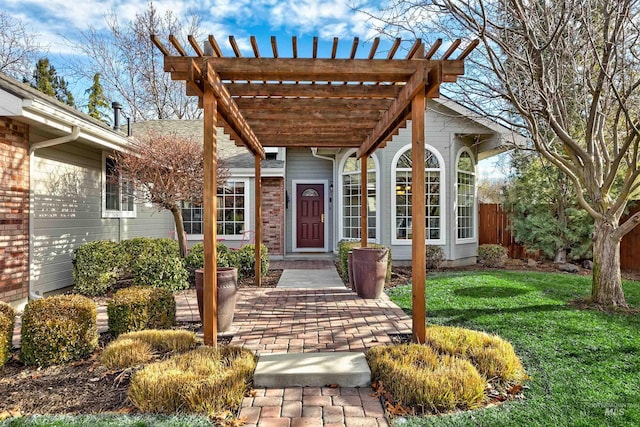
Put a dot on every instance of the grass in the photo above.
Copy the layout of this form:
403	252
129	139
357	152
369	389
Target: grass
584	364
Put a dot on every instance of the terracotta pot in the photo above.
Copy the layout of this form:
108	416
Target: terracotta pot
227	291
369	271
350	269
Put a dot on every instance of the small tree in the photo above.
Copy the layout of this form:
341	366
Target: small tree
18	46
97	100
168	170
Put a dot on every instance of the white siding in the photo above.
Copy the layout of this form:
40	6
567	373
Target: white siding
66	196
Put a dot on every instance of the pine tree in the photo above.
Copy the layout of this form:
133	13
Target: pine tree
97	100
45	78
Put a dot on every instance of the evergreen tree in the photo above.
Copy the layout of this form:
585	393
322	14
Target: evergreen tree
544	210
97	100
45	78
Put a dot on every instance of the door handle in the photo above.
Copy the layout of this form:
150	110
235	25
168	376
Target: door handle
322	218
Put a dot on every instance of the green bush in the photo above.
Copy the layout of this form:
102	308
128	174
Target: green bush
58	329
96	267
345	246
158	271
416	375
195	259
136	250
492	255
7	320
435	256
206	380
244	260
137	308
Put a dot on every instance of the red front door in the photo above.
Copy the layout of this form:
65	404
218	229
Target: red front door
310	215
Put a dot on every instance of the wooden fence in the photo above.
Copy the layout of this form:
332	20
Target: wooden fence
493	227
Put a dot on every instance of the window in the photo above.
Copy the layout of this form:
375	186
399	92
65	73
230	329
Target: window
232	215
118	192
401	203
465	203
350	198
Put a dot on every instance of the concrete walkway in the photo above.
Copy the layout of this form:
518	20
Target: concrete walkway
311	312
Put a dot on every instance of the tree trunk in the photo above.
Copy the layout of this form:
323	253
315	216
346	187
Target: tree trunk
561	256
180	234
607	283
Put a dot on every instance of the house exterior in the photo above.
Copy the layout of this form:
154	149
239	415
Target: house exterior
53	192
311	197
55	195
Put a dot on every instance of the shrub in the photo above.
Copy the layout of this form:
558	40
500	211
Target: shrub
490	354
435	256
138	249
344	246
416	375
195	259
137	308
158	271
206	380
58	329
137	347
96	267
492	255
244	260
7	320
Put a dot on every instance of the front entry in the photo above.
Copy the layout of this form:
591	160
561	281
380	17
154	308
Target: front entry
310	216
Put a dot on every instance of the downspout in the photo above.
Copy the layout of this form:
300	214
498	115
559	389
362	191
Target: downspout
75	133
314	153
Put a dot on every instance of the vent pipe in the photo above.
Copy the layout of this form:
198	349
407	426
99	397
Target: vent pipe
116	115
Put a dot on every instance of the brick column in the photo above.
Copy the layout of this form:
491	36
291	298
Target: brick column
14	210
273	215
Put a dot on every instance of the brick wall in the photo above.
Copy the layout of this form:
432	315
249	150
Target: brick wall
273	215
14	210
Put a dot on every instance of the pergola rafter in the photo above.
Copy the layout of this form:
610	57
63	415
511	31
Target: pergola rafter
334	102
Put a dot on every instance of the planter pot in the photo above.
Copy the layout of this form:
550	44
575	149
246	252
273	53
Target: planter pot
350	269
369	271
227	291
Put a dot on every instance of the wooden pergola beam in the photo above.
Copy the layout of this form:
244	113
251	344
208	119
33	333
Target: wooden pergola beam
247	104
313	91
311	115
299	69
309	141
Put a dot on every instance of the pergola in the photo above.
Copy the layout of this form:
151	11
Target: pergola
313	102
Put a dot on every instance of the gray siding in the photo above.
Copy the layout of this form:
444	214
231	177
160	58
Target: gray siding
66	195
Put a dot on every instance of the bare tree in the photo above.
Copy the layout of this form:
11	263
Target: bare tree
167	171
567	72
132	69
18	47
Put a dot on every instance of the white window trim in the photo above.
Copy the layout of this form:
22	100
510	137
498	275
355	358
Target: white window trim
247	213
341	194
473	239
294	220
113	213
443	226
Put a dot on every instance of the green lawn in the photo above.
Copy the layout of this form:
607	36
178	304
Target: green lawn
108	421
584	364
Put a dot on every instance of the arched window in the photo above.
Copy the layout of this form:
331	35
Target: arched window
401	202
350	173
466	196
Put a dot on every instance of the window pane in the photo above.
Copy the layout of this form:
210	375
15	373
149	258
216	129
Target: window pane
351	199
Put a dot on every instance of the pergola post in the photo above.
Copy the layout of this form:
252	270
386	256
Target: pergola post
258	219
418	248
210	321
364	232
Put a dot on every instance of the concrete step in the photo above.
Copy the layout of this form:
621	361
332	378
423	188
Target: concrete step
312	370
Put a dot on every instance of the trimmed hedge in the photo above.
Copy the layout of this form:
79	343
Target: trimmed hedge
7	321
58	329
344	246
96	267
137	308
243	259
492	255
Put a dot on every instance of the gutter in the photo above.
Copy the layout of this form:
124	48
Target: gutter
75	133
314	153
